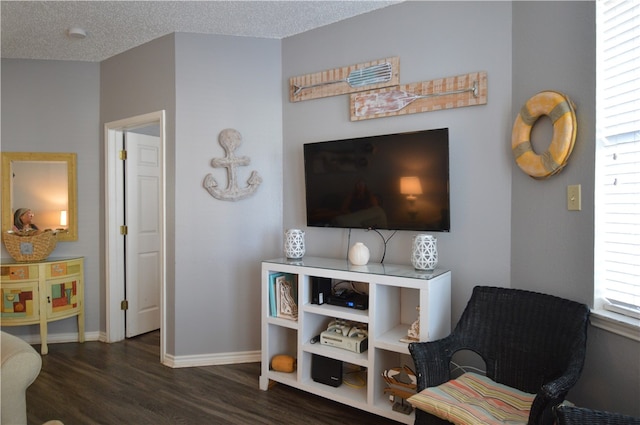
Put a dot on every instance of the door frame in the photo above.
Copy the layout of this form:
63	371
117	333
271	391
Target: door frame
114	244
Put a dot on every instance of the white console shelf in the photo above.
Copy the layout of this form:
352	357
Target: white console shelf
395	292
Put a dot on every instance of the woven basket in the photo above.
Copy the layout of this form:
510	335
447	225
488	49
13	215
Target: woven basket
35	247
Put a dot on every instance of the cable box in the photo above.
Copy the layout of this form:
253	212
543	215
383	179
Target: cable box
350	300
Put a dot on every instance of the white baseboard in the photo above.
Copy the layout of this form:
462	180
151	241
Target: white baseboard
61	338
214	359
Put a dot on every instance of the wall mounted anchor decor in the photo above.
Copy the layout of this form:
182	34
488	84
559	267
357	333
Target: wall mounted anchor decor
230	139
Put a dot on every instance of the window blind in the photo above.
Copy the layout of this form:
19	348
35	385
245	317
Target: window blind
618	156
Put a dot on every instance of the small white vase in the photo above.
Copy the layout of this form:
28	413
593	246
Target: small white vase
424	252
294	243
359	254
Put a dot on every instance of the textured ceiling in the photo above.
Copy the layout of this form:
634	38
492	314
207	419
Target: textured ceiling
37	29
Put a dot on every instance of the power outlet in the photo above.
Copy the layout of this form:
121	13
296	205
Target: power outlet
574	201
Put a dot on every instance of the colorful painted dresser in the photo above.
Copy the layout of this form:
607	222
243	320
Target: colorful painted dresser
38	293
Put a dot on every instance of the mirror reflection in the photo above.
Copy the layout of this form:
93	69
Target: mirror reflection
39	191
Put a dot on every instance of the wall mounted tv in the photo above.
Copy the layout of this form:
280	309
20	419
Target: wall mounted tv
393	181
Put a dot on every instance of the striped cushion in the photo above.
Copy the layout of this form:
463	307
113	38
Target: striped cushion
475	399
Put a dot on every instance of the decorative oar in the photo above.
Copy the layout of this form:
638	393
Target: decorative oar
395	100
357	78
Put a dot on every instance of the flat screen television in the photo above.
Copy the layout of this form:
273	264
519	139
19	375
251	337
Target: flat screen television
392	181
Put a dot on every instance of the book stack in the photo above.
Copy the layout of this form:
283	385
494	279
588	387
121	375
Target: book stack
283	296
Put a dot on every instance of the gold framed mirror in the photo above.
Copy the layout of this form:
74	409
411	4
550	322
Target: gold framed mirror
46	184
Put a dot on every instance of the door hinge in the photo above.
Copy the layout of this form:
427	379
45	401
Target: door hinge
123	154
124	230
124	305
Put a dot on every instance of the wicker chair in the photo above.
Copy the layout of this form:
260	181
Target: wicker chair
529	341
570	415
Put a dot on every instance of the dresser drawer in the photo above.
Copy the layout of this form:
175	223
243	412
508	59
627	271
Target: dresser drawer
62	268
18	272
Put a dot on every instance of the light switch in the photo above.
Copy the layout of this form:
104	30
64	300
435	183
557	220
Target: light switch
574	203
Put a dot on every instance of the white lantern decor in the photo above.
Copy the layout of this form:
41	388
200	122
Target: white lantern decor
424	252
294	243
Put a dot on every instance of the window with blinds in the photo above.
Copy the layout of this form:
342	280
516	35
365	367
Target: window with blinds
617	197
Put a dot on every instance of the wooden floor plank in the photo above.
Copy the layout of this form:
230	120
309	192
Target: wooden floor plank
124	383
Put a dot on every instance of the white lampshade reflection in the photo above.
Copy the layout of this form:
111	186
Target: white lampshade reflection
63	218
411	187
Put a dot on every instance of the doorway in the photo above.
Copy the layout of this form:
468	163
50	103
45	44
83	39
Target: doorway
127	254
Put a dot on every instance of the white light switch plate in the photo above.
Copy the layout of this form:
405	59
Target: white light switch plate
574	201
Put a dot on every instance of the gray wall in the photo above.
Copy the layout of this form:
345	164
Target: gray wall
507	228
552	248
422	34
137	82
54	106
224	82
214	248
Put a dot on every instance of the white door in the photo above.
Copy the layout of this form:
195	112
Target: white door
143	243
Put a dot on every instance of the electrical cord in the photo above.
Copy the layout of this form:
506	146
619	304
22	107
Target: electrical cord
355	378
351	287
385	241
457	367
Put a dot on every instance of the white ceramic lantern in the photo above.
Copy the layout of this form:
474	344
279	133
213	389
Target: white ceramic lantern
294	244
424	252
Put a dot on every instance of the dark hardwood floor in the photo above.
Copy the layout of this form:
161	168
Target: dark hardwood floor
124	383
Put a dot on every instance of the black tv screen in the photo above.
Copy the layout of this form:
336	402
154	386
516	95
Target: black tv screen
393	181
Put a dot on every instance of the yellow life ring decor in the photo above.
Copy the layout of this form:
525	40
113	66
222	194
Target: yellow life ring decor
561	110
